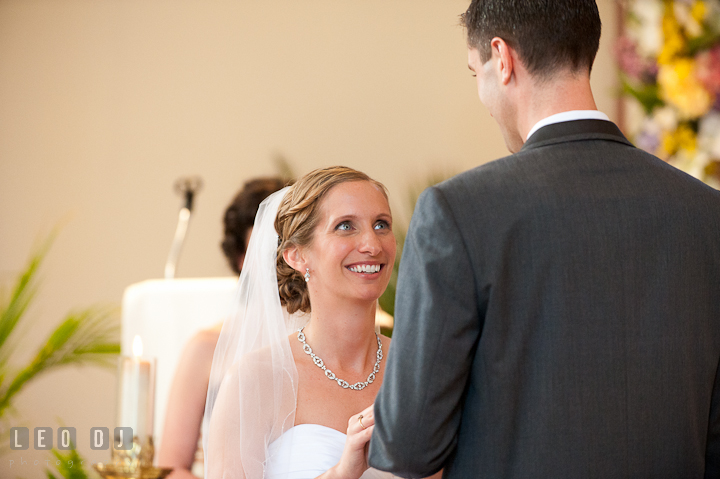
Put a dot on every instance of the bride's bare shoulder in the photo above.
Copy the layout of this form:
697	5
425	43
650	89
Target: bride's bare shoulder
259	363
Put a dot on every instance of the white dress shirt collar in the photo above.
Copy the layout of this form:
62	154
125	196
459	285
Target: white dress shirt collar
568	116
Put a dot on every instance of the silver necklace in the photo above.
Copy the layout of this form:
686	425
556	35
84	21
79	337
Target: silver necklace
359	386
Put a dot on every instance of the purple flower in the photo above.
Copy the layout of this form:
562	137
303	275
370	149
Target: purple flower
631	63
648	141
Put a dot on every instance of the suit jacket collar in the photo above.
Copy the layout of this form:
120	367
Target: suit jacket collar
577	130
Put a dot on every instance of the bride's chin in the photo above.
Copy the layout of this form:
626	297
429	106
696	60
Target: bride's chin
369	297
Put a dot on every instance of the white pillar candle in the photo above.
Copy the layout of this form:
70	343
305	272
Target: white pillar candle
136	392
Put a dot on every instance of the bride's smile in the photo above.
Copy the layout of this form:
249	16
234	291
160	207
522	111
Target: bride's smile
366	268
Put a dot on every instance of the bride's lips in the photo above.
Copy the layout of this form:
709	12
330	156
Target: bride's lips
365	268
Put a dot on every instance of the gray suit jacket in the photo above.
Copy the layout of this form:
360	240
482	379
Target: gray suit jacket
557	316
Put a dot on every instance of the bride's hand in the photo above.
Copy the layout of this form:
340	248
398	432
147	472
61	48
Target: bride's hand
353	462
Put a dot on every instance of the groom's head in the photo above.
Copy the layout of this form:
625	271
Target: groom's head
548	35
531	57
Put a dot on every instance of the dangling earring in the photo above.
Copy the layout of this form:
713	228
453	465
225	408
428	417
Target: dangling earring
307	274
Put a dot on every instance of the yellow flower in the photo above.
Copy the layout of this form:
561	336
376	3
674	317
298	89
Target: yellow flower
674	42
686	138
698	11
668	146
683	138
680	87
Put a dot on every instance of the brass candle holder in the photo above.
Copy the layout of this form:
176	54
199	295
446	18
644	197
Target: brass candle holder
133	463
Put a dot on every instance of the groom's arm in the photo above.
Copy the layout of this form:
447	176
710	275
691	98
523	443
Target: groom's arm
418	408
712	447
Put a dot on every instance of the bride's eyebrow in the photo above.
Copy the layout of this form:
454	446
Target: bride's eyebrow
338	219
350	217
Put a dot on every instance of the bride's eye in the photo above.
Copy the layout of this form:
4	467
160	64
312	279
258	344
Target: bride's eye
344	226
382	225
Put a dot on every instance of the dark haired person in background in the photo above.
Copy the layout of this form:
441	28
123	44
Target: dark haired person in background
558	310
240	216
189	389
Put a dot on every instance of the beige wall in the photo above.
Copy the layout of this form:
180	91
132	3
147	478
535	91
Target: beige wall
103	104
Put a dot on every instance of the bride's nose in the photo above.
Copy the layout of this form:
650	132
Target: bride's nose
370	243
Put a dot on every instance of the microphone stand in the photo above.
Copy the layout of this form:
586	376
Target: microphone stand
186	187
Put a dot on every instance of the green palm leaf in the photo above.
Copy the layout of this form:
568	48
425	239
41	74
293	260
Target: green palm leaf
69	465
13	308
85	337
88	336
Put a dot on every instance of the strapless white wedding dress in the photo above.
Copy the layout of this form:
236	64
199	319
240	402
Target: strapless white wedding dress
307	450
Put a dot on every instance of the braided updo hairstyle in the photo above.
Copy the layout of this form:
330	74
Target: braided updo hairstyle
297	217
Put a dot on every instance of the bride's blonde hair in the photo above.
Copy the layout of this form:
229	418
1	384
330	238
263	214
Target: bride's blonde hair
297	217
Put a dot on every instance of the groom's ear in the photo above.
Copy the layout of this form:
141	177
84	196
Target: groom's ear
294	257
504	61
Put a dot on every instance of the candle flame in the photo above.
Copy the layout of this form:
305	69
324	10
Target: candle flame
137	346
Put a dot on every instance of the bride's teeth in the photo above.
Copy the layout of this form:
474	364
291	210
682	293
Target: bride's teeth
365	268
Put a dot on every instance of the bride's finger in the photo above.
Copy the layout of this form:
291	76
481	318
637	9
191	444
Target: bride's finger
360	437
368	411
368	416
364	422
360	422
355	424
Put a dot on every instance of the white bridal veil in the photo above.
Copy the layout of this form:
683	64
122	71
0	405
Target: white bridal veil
253	382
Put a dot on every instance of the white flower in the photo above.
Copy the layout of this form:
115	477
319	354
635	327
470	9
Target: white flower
666	118
648	34
709	134
692	163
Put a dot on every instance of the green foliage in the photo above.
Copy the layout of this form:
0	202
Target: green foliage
89	336
68	465
283	167
709	37
647	94
704	42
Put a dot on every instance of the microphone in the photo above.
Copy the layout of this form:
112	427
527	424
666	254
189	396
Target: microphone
186	187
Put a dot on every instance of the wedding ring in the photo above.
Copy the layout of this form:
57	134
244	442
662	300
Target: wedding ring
360	421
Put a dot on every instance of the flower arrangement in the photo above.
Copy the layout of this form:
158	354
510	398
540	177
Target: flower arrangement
669	61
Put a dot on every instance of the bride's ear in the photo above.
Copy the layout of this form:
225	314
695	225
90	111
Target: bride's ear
294	257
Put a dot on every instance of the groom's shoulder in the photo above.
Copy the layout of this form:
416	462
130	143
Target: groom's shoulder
496	175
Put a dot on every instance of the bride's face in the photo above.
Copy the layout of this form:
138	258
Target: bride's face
353	248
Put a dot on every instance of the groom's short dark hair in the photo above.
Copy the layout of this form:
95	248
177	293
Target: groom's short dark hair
547	34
